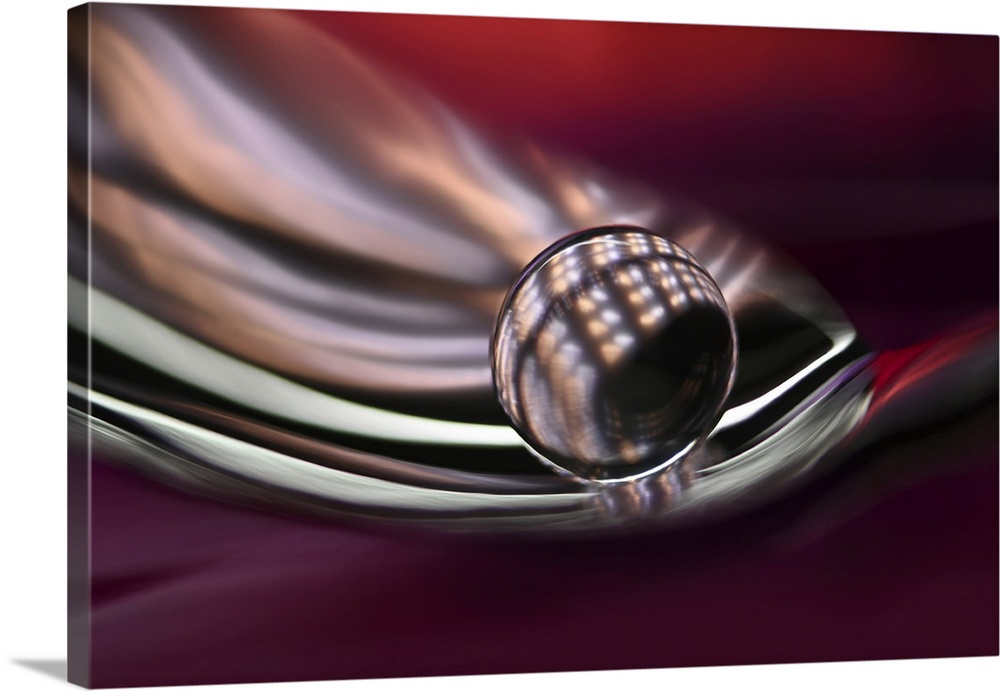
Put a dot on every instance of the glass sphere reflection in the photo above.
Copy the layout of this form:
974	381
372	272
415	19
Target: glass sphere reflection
613	354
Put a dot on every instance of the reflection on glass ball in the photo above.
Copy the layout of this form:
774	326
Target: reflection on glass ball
613	354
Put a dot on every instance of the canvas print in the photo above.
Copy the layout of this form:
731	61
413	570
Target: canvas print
411	346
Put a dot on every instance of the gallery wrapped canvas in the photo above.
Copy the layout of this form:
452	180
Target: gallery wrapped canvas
433	345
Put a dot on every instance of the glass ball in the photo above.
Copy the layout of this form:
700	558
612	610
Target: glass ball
613	354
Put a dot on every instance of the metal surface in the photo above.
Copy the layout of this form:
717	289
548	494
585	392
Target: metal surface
286	266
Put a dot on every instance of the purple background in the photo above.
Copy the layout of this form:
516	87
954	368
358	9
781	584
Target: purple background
872	158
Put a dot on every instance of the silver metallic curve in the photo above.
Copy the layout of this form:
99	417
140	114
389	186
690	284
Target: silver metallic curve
285	267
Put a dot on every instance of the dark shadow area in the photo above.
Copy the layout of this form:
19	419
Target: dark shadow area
50	668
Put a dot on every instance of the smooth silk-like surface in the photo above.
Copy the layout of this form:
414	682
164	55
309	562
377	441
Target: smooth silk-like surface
870	158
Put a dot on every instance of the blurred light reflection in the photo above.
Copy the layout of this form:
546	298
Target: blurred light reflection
262	216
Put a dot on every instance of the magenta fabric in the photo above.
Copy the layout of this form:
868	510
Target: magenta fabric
870	157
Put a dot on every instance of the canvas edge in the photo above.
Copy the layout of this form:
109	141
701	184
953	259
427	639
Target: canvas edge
78	454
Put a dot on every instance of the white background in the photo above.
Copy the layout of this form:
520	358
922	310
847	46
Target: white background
32	334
